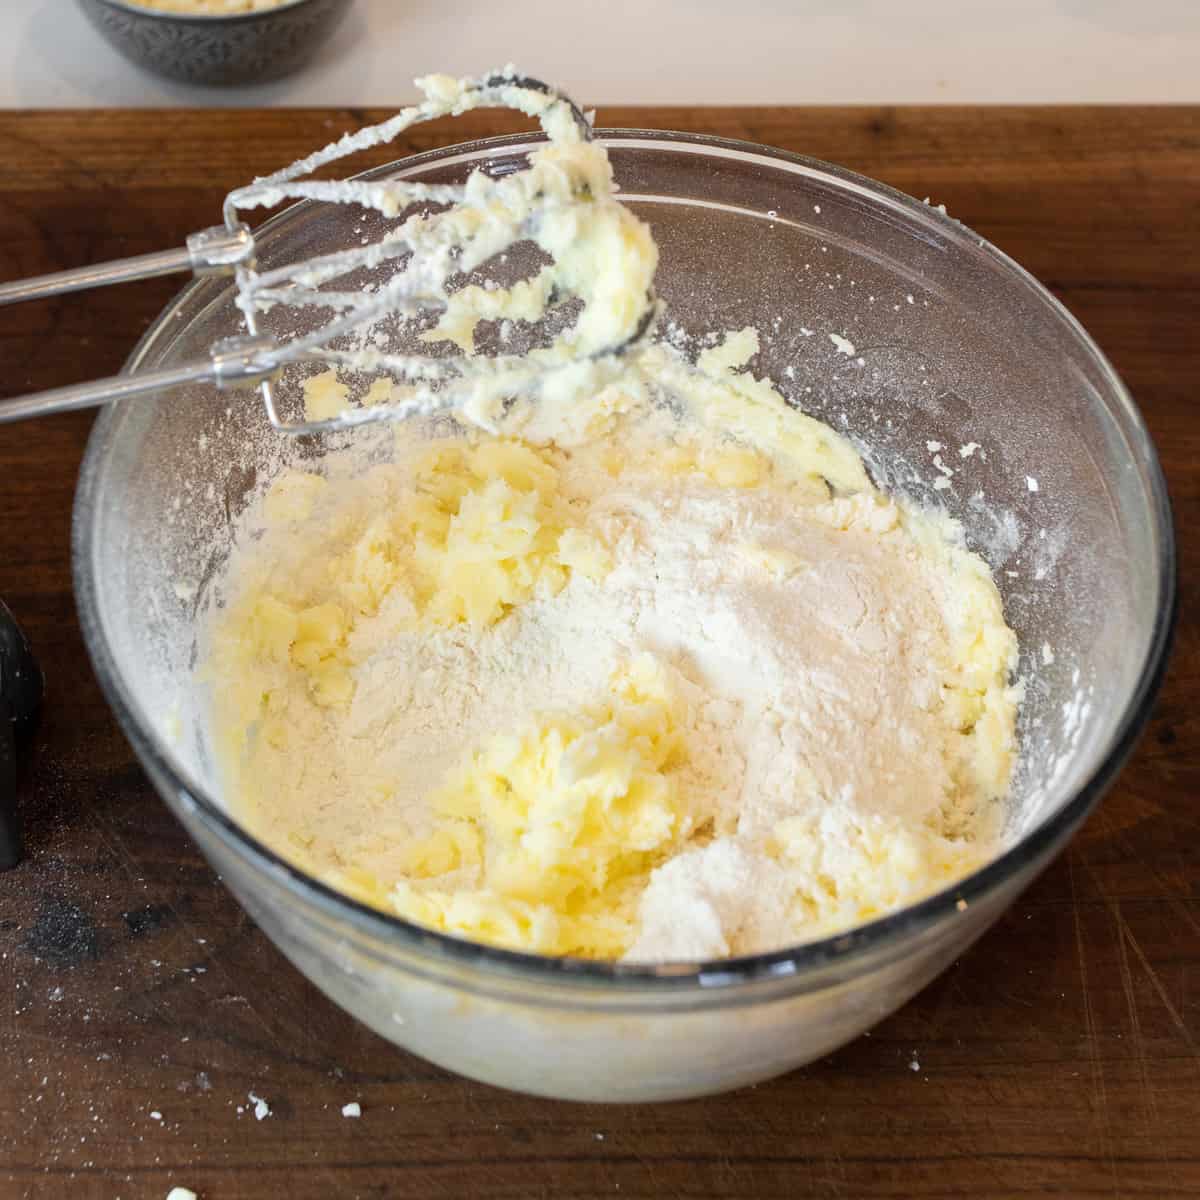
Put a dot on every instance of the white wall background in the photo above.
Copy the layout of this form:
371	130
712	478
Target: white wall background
672	52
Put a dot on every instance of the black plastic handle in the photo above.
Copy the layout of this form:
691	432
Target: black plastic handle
21	689
10	821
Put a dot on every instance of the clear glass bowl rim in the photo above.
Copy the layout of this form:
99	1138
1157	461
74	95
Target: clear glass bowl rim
718	978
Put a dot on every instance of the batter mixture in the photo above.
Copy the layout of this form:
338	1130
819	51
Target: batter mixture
645	688
644	668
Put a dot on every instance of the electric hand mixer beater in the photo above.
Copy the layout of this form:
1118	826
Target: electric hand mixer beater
562	195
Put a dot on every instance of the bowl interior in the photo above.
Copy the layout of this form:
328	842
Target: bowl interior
960	364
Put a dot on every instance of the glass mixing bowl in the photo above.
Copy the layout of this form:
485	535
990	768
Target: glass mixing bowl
953	344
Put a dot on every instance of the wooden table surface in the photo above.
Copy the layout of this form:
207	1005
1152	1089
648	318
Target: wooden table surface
139	1008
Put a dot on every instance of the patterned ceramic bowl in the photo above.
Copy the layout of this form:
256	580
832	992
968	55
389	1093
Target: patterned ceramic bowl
229	49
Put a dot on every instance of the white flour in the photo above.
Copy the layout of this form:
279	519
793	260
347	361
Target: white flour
782	670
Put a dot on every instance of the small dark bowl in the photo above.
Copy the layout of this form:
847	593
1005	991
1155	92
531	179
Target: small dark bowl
228	49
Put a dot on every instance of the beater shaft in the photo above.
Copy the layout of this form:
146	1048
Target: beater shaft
212	251
231	362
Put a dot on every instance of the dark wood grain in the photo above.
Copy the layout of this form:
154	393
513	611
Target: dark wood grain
1061	1056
